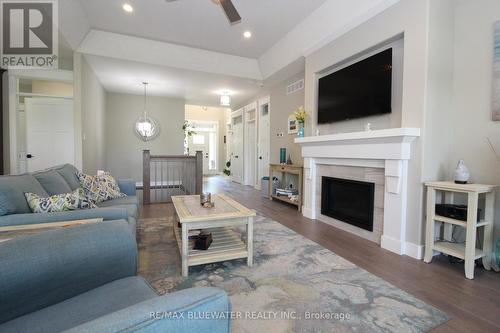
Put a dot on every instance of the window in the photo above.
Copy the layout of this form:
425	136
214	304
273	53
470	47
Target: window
264	110
198	139
212	152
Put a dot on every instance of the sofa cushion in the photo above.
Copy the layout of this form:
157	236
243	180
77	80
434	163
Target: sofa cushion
88	306
15	187
128	200
59	202
68	172
52	182
6	205
47	268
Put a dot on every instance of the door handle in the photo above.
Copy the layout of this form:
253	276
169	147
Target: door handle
236	156
29	156
260	157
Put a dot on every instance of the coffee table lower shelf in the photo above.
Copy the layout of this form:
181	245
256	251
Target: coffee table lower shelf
226	245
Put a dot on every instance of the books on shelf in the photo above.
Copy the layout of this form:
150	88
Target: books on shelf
286	192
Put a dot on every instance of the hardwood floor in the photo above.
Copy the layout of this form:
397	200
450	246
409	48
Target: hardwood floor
474	305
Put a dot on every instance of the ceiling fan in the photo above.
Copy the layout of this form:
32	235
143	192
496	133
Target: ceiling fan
228	7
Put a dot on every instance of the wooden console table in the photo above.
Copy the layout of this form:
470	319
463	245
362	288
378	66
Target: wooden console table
286	169
467	251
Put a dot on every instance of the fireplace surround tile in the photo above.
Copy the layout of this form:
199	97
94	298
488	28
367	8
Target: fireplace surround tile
365	174
383	156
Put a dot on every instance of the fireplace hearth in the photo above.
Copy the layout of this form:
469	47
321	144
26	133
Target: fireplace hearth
349	201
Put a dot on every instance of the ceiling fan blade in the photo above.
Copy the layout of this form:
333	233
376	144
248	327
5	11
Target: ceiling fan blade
230	10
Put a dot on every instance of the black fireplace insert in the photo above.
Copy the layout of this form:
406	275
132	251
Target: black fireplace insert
349	201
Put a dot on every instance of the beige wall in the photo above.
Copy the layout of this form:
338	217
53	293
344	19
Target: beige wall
52	88
472	91
123	148
437	134
282	106
93	120
221	115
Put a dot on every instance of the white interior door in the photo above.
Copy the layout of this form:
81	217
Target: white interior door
251	153
200	142
237	147
264	141
250	165
50	132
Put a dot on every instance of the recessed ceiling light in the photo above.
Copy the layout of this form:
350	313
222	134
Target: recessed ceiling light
128	8
247	34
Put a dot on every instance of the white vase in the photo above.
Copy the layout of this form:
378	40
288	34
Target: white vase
462	173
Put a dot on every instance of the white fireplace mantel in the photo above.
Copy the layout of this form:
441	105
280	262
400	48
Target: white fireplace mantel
393	143
389	149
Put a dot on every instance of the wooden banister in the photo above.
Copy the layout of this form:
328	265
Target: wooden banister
166	175
146	177
199	171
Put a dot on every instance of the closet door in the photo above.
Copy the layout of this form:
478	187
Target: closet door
250	143
264	141
237	157
50	133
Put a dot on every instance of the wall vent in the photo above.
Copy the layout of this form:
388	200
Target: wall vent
294	87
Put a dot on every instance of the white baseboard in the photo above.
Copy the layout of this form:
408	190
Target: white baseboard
414	250
410	249
309	213
392	244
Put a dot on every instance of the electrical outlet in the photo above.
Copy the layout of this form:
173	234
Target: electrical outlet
280	134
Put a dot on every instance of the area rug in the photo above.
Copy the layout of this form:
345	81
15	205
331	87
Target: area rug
295	285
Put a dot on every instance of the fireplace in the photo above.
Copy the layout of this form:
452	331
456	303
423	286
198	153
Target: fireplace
349	201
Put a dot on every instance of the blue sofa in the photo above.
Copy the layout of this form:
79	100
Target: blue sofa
57	180
83	279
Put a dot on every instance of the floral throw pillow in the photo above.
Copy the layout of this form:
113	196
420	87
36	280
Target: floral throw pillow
100	188
59	202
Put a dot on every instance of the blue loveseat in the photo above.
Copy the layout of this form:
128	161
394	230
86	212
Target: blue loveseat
14	209
83	279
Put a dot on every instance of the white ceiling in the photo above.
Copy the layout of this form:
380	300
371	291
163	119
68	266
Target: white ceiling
195	87
202	23
127	49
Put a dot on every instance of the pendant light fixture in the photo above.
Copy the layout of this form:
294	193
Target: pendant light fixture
146	128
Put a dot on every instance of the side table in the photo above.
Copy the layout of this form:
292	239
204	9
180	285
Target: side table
468	251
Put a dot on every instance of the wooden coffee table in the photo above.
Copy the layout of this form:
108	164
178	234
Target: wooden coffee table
219	220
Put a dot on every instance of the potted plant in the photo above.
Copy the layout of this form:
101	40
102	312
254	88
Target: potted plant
301	116
227	170
188	131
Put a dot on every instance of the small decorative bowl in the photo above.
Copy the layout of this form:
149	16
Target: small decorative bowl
206	200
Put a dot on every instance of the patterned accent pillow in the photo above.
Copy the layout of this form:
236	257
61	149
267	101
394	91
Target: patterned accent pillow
100	188
59	202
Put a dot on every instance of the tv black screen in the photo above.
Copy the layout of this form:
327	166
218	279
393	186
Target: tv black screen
360	90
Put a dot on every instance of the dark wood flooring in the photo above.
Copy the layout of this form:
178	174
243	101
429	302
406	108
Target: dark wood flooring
474	305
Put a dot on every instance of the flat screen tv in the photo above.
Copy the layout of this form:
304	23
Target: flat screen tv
359	90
